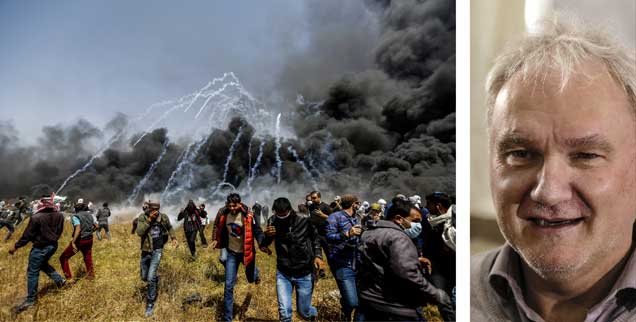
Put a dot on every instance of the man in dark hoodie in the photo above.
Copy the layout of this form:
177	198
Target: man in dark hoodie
298	253
43	231
191	217
392	285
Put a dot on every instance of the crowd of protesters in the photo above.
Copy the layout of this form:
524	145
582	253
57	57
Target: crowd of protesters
388	259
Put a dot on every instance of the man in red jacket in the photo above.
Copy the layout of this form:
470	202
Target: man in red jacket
236	231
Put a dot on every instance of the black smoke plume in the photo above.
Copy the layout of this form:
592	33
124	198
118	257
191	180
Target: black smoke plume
385	126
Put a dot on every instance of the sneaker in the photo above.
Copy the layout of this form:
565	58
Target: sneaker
149	309
24	306
61	283
257	281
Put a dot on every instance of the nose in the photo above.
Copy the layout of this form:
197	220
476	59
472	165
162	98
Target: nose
554	183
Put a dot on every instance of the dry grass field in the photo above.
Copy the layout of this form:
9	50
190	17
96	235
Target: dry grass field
117	293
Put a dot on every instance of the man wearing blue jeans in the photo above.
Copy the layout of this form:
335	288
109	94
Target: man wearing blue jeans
43	231
298	252
236	230
154	228
343	236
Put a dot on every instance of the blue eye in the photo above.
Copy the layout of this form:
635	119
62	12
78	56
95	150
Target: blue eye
522	154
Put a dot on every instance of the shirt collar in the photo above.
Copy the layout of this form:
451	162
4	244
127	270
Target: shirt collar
505	278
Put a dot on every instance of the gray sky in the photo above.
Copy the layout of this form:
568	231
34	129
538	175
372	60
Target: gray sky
62	60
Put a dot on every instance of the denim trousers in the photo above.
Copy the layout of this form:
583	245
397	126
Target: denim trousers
231	268
39	261
346	281
149	268
304	289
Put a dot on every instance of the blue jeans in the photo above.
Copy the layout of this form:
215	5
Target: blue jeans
149	267
231	269
223	256
346	281
304	289
39	261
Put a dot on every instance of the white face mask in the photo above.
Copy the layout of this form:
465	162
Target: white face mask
414	231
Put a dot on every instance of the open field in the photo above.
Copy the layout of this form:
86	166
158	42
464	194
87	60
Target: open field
117	293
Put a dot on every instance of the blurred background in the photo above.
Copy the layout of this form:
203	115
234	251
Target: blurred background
493	24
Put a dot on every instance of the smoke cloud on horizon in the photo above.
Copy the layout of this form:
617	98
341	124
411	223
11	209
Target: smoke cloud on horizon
387	125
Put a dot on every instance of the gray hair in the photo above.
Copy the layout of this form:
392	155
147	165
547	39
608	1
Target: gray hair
562	45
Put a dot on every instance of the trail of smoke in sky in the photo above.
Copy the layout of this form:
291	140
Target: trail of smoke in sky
191	152
230	154
257	163
302	164
90	161
249	156
150	172
279	162
194	96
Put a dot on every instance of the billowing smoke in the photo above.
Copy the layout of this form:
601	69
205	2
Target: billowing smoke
386	125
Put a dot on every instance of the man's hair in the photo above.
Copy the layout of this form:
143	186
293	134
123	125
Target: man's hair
315	192
400	207
562	45
105	204
233	198
281	205
347	201
439	198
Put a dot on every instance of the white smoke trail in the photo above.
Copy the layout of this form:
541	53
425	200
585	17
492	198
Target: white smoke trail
90	161
302	164
257	163
230	154
150	172
279	162
191	152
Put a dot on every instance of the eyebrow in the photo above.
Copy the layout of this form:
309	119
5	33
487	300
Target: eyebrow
510	140
594	141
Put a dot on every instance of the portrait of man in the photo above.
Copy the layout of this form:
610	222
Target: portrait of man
561	132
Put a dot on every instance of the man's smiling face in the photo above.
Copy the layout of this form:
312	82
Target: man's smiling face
563	170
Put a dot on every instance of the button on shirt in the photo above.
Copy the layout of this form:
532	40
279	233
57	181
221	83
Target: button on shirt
504	277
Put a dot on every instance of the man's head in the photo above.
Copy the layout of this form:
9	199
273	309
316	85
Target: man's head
375	211
350	202
403	213
45	204
105	205
315	197
202	206
562	132
282	207
437	203
233	203
153	205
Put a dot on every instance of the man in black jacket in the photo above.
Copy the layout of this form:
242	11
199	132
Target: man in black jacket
191	225
391	283
297	254
43	231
